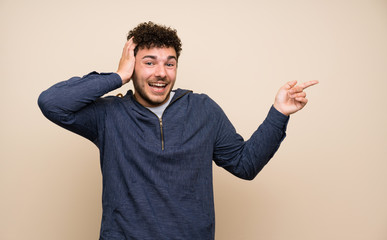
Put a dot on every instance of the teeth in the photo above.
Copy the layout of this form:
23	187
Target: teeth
157	84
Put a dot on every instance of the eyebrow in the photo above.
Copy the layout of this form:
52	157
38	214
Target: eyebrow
154	57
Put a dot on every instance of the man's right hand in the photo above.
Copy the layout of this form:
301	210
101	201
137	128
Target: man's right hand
127	62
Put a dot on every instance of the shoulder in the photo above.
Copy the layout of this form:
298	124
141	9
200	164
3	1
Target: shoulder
193	96
200	101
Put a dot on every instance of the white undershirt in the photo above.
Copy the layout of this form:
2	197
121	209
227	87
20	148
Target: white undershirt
160	109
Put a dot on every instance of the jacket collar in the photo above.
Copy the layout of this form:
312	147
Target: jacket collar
179	93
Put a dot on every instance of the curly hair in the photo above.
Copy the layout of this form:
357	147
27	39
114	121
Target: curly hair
149	34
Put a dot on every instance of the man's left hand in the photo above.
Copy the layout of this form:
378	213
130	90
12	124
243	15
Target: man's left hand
291	97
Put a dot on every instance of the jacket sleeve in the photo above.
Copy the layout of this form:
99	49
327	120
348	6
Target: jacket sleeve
245	159
71	103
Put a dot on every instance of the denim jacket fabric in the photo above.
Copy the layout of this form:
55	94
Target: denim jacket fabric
157	173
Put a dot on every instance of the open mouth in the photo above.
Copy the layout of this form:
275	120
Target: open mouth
158	87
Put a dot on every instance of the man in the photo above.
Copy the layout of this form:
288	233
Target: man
157	145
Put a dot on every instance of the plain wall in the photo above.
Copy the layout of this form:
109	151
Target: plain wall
328	179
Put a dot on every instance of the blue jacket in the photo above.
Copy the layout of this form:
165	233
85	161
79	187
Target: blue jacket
157	173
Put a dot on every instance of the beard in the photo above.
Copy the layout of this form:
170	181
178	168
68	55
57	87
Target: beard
149	100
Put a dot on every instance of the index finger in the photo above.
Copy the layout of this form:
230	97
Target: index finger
308	84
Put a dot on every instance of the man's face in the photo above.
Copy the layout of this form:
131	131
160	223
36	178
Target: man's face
154	75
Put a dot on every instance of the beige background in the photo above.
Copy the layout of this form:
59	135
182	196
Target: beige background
328	180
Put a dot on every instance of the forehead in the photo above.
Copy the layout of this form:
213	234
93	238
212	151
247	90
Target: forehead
157	52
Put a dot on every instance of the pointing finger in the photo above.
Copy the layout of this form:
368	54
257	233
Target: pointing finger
308	84
302	86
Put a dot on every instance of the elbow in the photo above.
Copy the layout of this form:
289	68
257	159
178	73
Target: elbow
251	172
44	103
249	177
245	174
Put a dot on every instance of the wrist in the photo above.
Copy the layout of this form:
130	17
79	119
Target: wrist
125	79
278	108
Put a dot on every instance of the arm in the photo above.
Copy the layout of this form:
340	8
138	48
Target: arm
70	103
246	159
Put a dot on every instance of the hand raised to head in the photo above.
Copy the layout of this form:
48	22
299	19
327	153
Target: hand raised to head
291	97
127	61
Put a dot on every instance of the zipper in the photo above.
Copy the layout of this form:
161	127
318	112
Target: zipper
161	119
161	131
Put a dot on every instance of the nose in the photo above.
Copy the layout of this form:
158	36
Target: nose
160	71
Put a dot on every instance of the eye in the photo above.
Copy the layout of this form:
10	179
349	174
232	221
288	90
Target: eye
149	63
171	64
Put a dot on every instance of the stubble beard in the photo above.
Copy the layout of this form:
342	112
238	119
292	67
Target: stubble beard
140	93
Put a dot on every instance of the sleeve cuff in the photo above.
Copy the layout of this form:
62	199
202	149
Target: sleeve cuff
109	81
277	118
116	79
